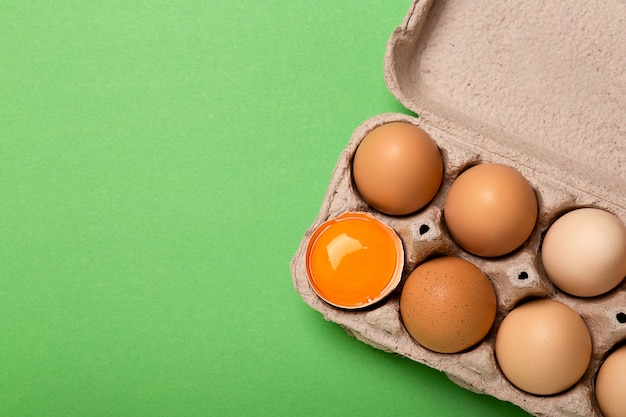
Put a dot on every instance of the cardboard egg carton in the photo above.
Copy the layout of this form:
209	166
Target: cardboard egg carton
539	87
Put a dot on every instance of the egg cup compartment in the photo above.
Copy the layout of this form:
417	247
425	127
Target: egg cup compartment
418	74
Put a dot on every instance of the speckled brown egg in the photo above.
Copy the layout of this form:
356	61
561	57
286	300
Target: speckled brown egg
448	304
397	168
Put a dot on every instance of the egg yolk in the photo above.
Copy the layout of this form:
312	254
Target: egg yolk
354	260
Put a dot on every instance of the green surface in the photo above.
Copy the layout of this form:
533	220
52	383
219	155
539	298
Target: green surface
159	163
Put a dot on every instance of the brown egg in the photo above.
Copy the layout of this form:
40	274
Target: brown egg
543	347
397	168
611	384
490	210
448	304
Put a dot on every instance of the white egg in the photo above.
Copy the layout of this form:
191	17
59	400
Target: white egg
584	252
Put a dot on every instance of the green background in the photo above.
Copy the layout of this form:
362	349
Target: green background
159	164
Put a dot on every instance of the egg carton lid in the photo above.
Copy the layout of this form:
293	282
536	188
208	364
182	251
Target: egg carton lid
540	83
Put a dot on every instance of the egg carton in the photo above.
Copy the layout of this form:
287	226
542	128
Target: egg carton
539	87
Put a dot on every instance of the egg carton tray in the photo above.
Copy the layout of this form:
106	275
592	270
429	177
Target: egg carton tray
543	84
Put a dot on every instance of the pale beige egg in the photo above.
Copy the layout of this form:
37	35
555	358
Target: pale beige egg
584	252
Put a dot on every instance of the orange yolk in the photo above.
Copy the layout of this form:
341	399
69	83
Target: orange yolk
354	260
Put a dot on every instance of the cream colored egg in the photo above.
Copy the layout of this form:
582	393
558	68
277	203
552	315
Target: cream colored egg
584	252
